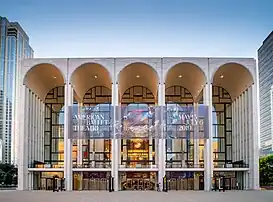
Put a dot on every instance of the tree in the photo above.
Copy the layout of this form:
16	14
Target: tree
8	174
266	170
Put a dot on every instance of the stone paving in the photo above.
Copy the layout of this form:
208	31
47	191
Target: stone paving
136	196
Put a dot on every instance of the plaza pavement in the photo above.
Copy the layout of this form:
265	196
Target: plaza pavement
136	196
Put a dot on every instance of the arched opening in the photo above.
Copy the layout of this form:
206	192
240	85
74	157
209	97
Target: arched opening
44	116
232	106
92	89
138	84
138	148
184	89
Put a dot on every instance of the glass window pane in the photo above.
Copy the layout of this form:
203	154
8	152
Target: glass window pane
47	153
228	124
47	138
229	137
222	143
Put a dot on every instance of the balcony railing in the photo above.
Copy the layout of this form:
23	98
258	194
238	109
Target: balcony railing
234	165
45	165
94	164
183	165
138	164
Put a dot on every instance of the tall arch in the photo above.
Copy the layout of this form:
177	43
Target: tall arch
232	100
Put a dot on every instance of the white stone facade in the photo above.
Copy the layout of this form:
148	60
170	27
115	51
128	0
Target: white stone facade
241	84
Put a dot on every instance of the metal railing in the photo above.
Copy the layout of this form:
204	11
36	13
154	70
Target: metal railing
94	164
183	165
138	164
45	165
242	165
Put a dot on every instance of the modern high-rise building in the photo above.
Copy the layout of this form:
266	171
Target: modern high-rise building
139	146
14	46
265	64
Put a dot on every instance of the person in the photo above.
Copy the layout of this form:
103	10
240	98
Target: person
158	186
237	185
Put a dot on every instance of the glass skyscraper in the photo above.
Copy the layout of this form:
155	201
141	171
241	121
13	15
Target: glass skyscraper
265	60
14	46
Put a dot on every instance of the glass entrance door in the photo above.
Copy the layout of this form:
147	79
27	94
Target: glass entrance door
138	181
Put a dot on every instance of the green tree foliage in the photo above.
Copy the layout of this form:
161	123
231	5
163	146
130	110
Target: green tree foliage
266	170
8	174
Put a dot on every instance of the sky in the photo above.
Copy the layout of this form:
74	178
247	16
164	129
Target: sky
143	28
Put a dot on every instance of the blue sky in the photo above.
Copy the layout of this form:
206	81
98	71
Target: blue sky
116	28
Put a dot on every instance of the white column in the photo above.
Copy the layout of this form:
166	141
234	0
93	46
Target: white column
254	162
23	141
162	141
208	160
115	146
67	141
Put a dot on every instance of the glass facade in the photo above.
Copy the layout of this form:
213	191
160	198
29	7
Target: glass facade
3	24
265	64
222	127
14	46
54	128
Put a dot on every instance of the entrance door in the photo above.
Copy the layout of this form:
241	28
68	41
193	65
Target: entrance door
129	184
227	183
147	184
49	184
201	182
140	185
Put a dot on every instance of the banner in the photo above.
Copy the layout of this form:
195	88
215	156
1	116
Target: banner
138	121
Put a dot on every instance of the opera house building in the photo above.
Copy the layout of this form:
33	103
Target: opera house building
133	139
